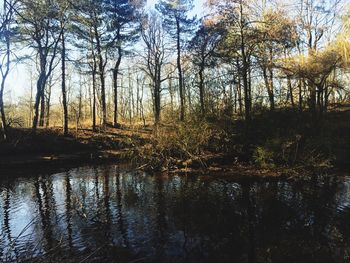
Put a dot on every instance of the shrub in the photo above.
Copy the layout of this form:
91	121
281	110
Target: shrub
263	157
175	143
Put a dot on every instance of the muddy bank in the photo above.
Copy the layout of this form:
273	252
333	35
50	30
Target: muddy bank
75	158
50	148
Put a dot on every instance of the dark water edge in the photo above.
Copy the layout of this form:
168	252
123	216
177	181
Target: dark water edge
108	213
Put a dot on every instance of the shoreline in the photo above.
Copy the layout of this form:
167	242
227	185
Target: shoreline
82	157
21	164
183	148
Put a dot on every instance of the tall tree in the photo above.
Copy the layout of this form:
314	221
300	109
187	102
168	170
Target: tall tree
6	34
82	28
122	25
154	40
39	27
65	12
316	22
277	34
176	21
203	47
317	70
98	32
90	25
239	42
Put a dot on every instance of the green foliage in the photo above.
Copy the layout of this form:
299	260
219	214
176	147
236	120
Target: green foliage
277	151
263	157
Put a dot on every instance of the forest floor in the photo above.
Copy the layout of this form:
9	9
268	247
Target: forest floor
278	144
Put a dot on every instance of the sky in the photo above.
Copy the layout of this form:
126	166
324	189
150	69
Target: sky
19	79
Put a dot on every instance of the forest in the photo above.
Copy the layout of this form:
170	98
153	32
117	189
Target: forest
151	131
178	83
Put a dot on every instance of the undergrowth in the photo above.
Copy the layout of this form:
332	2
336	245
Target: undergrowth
173	144
270	140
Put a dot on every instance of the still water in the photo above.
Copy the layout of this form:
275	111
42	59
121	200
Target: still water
110	214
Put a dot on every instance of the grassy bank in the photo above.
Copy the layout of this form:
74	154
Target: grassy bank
271	144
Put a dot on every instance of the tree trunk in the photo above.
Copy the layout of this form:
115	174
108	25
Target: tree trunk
290	88
189	98
2	106
326	98
8	11
115	87
103	95
64	91
247	102
240	101
300	95
268	77
94	96
245	69
269	88
101	69
239	89
141	106
2	110
157	88
312	97
39	90
42	109
201	90
48	108
319	104
272	93
130	97
137	97
179	68
156	103
30	100
171	93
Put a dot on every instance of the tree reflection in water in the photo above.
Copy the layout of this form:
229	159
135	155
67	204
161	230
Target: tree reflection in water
107	214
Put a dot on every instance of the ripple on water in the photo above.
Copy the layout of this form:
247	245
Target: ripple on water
96	210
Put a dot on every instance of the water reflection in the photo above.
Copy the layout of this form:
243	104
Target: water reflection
68	203
106	214
121	224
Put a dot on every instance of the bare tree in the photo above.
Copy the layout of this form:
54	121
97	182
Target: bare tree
6	32
154	40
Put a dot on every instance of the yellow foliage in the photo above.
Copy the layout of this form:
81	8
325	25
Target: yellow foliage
278	26
342	44
315	66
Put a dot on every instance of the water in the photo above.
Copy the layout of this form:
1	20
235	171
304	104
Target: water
109	214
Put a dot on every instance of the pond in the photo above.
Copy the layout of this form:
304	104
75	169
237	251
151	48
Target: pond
110	214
